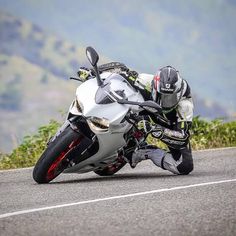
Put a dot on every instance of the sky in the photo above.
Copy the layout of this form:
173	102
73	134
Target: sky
198	37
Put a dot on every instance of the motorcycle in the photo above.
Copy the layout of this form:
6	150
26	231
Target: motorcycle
100	127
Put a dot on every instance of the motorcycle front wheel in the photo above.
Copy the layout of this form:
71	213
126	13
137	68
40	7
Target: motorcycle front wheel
54	160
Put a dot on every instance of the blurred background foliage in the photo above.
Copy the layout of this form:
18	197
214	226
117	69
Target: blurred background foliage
28	152
204	134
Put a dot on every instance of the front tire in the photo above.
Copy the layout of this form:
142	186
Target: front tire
53	161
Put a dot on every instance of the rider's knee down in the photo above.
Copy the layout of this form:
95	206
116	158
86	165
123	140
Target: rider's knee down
185	167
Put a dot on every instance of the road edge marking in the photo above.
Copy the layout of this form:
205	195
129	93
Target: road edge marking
214	149
6	215
16	169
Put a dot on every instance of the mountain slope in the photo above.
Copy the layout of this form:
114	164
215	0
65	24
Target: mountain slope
30	96
21	38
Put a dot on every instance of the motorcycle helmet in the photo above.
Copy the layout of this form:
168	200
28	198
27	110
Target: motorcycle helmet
167	87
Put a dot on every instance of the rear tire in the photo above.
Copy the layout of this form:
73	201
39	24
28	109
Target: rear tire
53	161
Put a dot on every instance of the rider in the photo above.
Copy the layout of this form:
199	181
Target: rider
172	93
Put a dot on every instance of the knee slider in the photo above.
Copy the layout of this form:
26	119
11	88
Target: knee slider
185	167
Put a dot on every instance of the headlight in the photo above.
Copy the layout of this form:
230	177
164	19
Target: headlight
98	124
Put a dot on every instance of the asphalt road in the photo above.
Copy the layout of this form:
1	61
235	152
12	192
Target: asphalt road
141	201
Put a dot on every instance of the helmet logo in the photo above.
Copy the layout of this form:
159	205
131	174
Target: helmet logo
167	88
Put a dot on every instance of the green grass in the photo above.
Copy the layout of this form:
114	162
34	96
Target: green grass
31	148
204	135
212	134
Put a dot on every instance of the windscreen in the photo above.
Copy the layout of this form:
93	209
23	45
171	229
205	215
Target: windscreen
112	89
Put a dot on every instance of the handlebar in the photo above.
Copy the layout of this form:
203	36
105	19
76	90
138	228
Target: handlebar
150	107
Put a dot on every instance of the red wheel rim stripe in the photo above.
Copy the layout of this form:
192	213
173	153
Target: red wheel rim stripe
52	171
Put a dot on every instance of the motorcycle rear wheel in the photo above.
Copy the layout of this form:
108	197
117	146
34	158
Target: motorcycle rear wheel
53	161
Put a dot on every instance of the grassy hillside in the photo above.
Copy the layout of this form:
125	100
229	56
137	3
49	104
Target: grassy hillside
51	52
30	96
23	39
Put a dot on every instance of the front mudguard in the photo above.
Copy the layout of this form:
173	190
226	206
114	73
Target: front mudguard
89	144
79	124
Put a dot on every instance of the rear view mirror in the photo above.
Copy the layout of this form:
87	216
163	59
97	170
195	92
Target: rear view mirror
93	59
92	56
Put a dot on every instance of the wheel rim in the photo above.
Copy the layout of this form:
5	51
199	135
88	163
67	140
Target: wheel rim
58	166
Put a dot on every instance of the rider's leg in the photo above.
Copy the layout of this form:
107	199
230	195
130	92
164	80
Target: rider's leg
176	161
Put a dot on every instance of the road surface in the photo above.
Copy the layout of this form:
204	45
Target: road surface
141	201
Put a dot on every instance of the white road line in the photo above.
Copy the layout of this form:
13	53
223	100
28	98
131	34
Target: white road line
114	197
214	149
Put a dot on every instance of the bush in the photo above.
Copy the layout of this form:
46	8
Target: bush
204	135
31	148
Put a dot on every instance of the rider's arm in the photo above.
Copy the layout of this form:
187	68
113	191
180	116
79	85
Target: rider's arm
179	137
175	138
143	83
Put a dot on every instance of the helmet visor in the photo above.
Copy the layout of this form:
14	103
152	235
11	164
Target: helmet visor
169	100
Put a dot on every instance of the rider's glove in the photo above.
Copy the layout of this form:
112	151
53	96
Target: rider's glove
157	131
144	124
132	76
84	73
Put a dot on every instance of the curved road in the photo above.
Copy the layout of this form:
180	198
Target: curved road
141	201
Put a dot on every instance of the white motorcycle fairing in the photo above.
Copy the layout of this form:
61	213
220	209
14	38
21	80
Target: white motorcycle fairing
105	117
100	132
